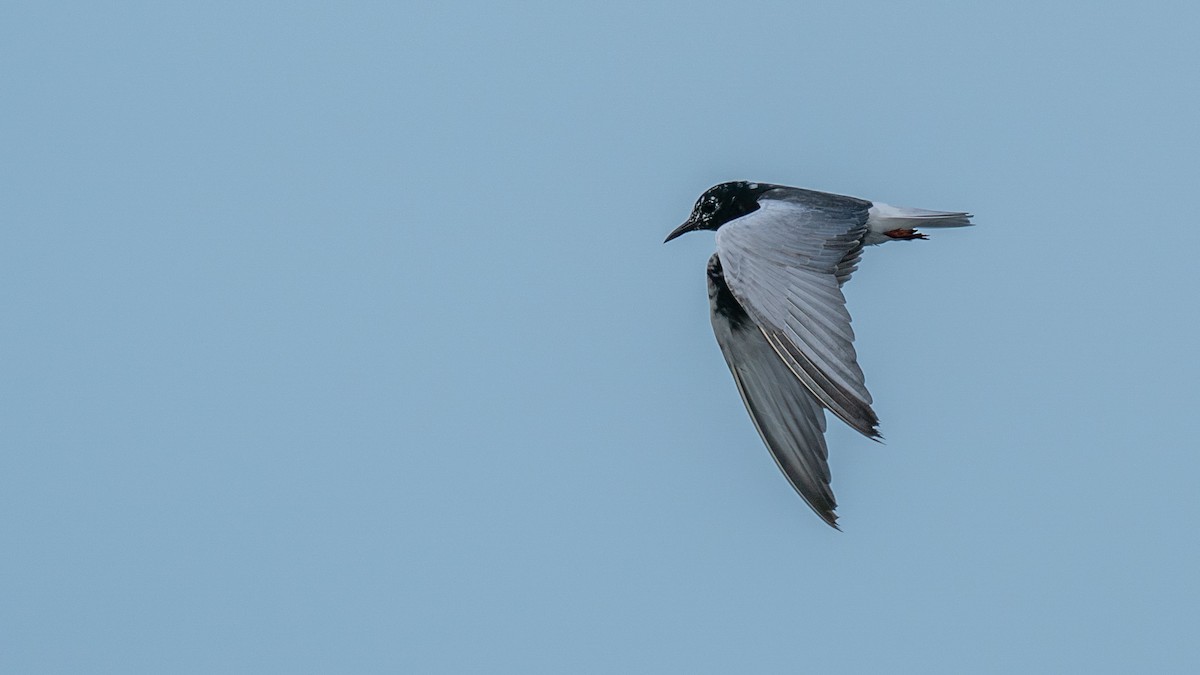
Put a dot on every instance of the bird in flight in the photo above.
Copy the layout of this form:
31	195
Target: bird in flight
775	293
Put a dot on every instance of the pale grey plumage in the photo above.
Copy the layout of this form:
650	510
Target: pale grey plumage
780	318
782	263
785	413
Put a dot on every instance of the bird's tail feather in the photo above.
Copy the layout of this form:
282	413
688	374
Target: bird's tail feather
886	217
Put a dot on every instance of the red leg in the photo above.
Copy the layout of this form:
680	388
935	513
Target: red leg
905	234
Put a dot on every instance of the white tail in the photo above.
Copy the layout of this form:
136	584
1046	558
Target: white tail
886	222
884	217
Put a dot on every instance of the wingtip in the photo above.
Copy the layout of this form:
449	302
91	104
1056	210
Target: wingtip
866	424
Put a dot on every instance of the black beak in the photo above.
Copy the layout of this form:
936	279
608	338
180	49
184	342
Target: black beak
689	226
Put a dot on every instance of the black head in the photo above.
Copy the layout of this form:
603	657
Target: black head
721	204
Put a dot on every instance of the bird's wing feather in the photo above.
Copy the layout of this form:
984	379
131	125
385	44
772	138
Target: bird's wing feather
788	417
785	263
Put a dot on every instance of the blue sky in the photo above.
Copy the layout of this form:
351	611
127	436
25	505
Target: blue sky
341	338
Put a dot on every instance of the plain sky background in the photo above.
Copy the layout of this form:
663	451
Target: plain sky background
340	337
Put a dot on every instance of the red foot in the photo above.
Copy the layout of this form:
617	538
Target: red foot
905	234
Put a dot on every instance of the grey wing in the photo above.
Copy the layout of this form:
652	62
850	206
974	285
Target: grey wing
785	263
788	417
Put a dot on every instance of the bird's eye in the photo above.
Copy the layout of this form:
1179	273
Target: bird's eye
707	207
